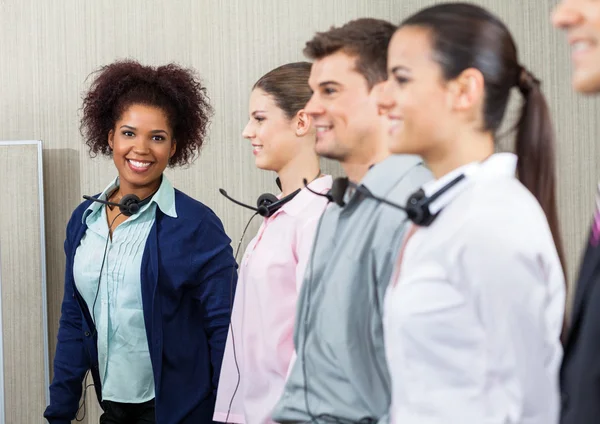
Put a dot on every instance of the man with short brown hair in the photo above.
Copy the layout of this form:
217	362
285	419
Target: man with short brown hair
340	374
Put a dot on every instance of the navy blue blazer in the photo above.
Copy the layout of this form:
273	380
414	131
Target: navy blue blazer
187	272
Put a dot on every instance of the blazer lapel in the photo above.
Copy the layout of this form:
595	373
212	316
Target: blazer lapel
151	298
71	260
149	272
77	241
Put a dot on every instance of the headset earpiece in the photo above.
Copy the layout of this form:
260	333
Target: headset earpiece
417	209
263	203
266	199
338	191
129	204
417	206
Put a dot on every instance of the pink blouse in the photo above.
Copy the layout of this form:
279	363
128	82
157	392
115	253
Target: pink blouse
264	309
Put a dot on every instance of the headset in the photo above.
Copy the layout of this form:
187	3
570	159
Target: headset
421	209
418	207
129	205
267	204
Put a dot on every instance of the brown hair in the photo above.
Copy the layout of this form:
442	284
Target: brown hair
288	85
171	88
468	36
365	38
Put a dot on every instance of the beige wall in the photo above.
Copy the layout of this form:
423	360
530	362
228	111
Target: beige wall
49	46
23	363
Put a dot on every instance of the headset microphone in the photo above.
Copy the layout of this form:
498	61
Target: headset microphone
417	207
129	205
267	203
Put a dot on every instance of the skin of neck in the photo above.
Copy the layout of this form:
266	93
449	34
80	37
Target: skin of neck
357	164
142	192
470	146
303	166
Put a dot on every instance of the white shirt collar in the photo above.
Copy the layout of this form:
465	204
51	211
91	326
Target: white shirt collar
498	164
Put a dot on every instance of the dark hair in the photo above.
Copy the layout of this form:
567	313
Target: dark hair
467	36
171	88
365	38
288	85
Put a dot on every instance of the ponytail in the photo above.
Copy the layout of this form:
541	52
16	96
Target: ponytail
535	148
536	166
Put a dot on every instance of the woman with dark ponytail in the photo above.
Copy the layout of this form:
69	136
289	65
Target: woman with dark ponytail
474	313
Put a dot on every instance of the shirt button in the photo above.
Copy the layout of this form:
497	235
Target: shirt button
87	334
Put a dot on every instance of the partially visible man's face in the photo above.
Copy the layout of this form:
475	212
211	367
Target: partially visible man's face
343	107
581	20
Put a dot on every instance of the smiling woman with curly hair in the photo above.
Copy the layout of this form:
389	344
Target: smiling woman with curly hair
181	98
147	288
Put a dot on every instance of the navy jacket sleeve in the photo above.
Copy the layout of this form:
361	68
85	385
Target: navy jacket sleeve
70	360
217	281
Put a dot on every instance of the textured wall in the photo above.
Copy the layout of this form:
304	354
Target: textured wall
50	46
21	288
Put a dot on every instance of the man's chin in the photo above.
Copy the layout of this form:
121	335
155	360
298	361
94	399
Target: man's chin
586	82
329	154
326	149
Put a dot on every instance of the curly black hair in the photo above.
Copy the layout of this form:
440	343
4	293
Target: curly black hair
175	90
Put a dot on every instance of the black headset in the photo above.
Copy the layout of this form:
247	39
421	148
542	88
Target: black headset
129	204
267	204
416	208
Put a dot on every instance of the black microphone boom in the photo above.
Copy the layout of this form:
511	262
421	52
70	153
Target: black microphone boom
104	202
417	206
267	203
129	205
366	192
327	195
336	194
224	193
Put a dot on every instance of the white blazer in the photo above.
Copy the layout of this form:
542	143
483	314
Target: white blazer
473	318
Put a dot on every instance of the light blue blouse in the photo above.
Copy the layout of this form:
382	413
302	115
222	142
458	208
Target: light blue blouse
123	355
